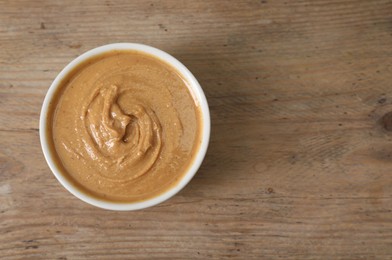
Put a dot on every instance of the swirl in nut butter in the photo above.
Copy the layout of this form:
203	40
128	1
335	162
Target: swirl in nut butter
125	126
120	137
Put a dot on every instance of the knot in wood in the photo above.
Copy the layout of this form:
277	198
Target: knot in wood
387	121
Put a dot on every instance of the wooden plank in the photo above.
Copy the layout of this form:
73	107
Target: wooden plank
299	165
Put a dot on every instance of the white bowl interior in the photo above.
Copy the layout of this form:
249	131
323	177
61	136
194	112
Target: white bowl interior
195	89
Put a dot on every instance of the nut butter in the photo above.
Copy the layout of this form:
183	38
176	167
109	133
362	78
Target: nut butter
124	126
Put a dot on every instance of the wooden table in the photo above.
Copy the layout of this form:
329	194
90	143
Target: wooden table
300	159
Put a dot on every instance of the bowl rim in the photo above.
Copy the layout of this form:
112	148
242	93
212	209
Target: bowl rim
196	91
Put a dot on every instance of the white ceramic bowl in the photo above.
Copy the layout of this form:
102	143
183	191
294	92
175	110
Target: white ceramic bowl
194	88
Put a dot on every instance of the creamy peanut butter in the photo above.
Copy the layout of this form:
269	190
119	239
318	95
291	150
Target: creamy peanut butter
124	127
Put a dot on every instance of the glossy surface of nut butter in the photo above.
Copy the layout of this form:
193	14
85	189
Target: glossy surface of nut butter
125	126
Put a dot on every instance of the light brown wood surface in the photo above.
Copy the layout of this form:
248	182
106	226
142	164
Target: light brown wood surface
300	159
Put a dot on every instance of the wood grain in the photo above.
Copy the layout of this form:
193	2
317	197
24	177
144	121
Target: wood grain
300	161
